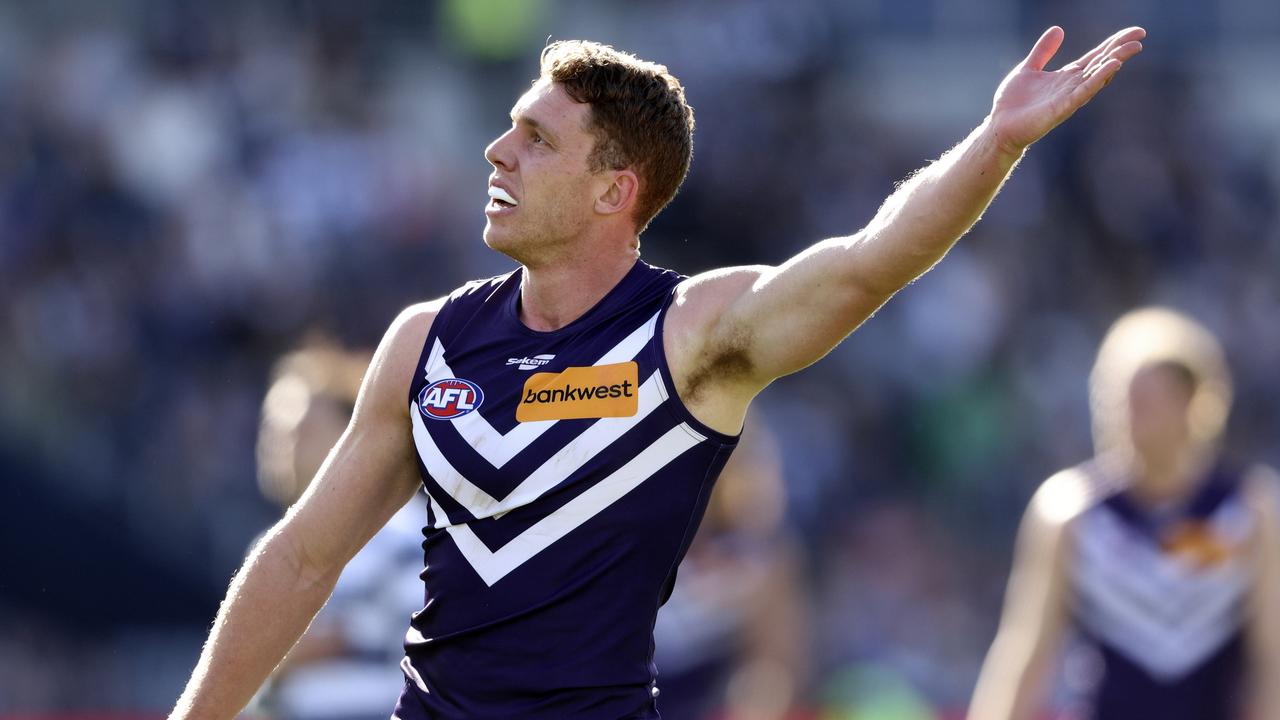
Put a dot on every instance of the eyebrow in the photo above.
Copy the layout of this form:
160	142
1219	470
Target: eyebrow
533	123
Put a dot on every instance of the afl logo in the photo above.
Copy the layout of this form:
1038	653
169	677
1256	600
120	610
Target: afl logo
450	398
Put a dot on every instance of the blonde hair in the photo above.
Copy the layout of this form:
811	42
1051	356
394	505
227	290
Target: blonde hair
1154	336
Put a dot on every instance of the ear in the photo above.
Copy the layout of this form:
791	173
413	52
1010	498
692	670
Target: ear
620	195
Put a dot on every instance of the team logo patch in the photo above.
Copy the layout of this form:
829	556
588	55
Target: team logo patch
449	398
1196	543
597	391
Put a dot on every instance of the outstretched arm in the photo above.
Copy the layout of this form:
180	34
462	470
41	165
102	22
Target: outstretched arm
287	577
776	320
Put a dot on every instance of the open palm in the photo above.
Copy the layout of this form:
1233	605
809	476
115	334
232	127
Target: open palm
1032	101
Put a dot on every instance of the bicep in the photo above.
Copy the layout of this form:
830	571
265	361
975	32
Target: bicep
370	473
365	480
793	314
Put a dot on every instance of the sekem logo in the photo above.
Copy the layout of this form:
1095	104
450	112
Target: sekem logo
449	398
529	363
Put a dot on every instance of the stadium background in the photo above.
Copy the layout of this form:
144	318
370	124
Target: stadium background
188	190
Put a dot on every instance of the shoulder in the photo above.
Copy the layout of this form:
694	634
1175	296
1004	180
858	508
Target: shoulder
700	328
410	328
709	291
700	306
393	366
1062	498
707	346
461	306
480	289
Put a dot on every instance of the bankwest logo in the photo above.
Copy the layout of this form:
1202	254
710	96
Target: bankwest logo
449	398
529	363
597	391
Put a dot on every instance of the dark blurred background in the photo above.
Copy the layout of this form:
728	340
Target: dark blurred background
190	189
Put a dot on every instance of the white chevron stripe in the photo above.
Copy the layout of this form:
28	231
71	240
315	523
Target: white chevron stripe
1104	600
1115	585
1164	655
1161	613
1165	583
498	448
1111	568
559	466
492	566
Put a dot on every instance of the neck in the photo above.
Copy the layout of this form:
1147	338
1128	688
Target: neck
1168	476
556	294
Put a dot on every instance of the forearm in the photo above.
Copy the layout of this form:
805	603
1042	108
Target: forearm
930	210
1009	686
268	606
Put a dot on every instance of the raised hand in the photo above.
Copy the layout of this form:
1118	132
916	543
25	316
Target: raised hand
1032	101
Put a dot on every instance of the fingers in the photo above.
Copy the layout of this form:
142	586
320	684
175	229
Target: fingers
1099	53
1103	63
1044	48
1121	54
1102	73
1095	82
1108	64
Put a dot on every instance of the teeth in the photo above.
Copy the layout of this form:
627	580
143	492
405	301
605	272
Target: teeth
498	193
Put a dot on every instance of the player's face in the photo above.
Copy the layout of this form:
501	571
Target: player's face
541	191
1159	401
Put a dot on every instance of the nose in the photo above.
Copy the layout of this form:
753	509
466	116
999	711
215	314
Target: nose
498	153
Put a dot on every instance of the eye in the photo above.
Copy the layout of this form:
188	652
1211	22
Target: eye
536	139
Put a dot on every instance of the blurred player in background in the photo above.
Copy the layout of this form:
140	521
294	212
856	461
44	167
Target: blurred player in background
344	666
569	419
732	641
1161	553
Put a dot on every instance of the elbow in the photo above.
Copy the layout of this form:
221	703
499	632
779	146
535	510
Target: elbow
877	275
290	554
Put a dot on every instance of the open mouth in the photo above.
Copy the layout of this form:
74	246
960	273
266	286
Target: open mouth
500	199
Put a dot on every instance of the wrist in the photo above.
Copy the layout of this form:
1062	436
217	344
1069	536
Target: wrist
1006	149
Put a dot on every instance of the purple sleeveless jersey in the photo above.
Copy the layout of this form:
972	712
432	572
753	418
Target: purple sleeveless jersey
1161	596
565	481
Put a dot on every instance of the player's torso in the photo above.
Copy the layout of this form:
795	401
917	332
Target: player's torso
565	481
1161	595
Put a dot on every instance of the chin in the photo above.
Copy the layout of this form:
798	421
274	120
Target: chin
501	241
493	237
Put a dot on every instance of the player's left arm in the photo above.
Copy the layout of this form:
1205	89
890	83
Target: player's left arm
773	321
1263	629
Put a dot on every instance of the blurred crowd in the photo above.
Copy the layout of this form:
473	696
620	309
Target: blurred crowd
190	190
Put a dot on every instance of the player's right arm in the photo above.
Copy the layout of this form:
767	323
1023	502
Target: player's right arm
368	476
1010	686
